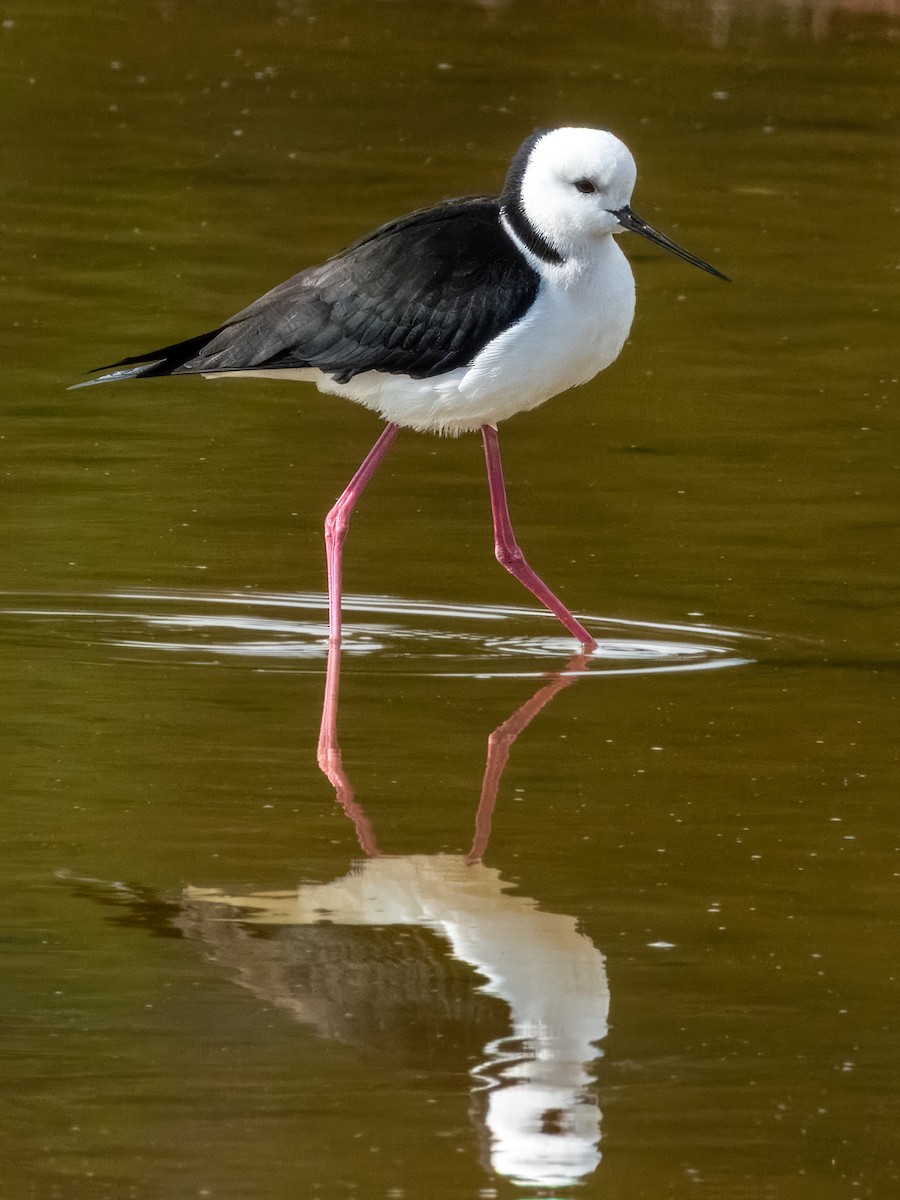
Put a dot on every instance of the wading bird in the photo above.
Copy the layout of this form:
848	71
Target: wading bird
452	319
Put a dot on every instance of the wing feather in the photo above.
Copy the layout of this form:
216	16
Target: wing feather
419	296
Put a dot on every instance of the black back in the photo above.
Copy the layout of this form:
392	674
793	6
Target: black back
419	296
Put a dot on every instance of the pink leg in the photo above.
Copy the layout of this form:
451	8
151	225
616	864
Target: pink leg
337	521
507	549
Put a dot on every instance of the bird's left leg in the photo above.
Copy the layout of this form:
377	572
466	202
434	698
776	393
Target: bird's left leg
338	520
506	548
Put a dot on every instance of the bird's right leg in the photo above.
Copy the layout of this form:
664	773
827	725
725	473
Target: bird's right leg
338	520
507	550
336	524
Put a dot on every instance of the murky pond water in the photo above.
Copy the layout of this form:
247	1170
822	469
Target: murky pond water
627	924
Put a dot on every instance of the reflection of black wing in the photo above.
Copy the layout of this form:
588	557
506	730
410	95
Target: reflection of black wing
419	296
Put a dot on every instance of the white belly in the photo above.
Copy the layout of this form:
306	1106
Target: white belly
575	328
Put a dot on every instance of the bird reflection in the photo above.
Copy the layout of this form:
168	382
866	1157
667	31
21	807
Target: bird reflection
532	1085
430	960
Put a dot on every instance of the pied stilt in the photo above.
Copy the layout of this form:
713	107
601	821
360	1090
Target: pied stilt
452	319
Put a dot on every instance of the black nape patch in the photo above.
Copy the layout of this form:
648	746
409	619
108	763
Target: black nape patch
529	236
513	210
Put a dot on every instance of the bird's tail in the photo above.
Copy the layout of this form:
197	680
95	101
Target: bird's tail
112	377
165	361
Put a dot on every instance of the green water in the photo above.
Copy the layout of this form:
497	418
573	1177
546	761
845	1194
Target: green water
692	873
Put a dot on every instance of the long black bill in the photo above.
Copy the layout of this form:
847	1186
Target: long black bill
630	220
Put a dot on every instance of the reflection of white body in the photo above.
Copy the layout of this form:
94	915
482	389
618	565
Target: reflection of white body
544	1127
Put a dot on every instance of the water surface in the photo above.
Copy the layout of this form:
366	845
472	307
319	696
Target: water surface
629	924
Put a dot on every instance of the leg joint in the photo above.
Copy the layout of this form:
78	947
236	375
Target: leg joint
509	556
336	523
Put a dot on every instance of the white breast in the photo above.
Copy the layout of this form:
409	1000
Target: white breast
575	329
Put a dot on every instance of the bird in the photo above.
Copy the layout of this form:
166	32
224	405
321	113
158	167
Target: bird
451	319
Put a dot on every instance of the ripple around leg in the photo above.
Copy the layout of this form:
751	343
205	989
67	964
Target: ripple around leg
290	631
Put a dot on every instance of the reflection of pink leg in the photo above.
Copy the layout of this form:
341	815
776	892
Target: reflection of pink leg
329	756
501	740
339	518
499	744
507	549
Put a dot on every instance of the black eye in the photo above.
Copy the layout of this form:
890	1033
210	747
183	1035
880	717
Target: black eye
585	186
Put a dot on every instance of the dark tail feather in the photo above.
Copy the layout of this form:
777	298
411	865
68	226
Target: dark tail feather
168	358
164	361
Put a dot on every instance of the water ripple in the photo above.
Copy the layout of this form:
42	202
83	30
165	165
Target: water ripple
289	631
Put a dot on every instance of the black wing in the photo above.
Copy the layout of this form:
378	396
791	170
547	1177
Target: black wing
419	296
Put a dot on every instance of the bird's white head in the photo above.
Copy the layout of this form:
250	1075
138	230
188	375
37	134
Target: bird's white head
569	188
568	184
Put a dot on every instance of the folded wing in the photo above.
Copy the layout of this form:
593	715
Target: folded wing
420	296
